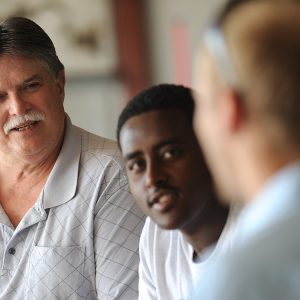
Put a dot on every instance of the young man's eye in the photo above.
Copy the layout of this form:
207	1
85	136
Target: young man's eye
136	166
171	154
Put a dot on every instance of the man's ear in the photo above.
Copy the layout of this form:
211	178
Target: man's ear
60	81
231	110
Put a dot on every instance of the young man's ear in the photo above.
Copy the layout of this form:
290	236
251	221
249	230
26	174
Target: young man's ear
231	110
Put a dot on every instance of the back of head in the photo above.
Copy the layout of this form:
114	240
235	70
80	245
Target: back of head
159	97
21	36
263	42
230	5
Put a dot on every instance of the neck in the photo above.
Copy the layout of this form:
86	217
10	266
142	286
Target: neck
22	182
33	166
208	231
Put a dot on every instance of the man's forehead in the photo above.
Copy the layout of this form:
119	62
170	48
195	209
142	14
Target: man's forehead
201	61
156	122
205	71
155	127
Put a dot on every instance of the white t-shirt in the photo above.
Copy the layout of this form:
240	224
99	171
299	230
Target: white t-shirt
167	270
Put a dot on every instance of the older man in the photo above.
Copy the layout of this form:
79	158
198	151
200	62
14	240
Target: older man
248	118
68	226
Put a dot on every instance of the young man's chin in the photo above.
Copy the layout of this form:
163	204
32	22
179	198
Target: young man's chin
168	224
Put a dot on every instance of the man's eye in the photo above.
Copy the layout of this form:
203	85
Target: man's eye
136	166
32	86
171	154
2	97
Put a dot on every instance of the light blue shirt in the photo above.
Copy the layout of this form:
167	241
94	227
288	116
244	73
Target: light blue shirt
80	239
265	261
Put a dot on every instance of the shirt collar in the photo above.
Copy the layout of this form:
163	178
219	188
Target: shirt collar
278	200
62	181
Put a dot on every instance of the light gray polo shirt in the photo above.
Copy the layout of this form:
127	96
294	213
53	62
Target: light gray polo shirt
80	239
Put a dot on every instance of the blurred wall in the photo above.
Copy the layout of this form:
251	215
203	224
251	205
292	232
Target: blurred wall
95	103
176	24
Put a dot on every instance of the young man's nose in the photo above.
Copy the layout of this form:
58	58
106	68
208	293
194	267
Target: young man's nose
155	175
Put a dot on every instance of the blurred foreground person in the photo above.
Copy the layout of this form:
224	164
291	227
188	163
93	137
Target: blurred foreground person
248	119
172	185
69	228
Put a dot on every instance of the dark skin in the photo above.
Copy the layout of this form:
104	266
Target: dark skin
169	178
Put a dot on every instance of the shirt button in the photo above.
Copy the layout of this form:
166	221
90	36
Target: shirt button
12	251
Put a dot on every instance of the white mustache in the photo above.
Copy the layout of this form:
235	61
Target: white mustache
16	121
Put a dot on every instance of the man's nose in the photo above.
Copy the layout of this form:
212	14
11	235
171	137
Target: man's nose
155	175
17	105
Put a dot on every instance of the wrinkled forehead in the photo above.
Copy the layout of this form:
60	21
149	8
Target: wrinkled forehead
17	61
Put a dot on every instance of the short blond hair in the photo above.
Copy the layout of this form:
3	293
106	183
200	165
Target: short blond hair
263	39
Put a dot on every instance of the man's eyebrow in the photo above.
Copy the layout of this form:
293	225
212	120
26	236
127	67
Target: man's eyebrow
29	80
170	141
33	77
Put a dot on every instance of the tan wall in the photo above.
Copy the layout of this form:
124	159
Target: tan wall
95	104
161	16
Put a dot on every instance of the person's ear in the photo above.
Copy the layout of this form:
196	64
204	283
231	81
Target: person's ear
60	81
231	110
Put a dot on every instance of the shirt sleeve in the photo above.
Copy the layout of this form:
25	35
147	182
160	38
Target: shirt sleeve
147	290
117	226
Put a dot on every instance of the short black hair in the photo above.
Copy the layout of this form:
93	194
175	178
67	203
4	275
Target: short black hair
162	96
22	36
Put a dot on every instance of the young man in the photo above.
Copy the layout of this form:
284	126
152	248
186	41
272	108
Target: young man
69	229
171	183
248	119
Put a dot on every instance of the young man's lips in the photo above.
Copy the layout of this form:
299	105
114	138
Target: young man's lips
163	201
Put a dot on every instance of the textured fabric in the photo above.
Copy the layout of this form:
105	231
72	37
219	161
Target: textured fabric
265	262
167	269
80	239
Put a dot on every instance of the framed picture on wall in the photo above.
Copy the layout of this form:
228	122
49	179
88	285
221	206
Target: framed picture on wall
82	32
